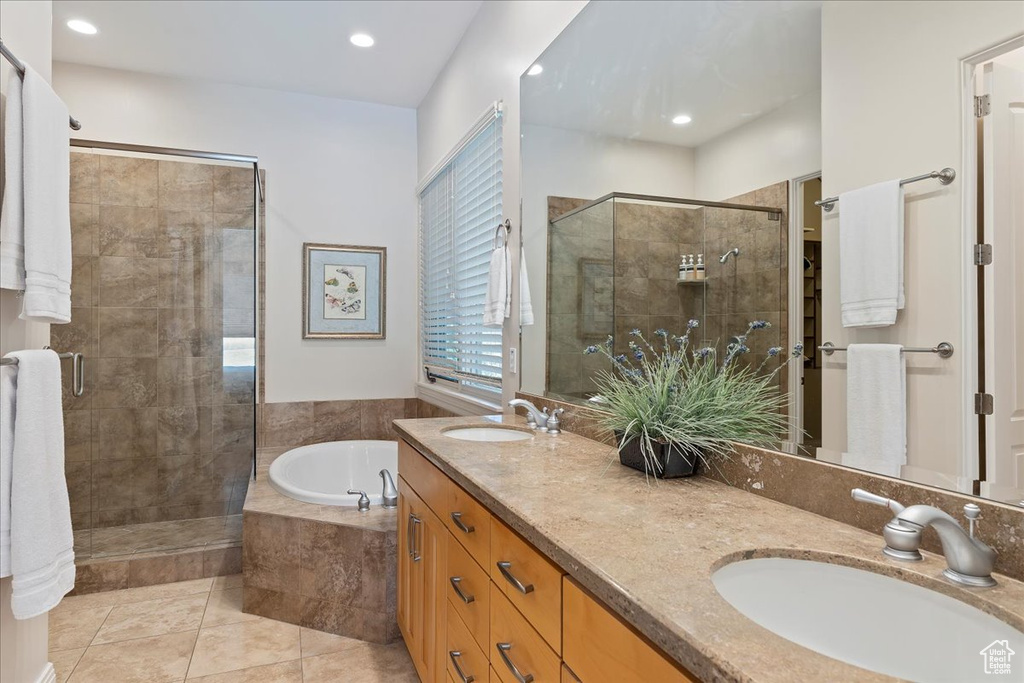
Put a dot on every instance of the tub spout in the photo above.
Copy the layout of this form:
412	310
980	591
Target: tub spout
390	493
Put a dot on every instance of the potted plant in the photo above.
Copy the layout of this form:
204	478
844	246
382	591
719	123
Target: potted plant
672	408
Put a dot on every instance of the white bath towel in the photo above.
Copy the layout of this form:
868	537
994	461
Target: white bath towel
876	408
871	255
35	225
35	516
525	302
497	305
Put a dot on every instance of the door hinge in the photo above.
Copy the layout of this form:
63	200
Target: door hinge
983	404
982	254
982	105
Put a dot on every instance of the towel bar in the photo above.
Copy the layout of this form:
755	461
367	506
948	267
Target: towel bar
77	369
945	176
944	349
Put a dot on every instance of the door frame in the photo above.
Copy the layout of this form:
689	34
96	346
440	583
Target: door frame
796	308
970	450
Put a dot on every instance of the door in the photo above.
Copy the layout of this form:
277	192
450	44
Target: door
422	543
1003	197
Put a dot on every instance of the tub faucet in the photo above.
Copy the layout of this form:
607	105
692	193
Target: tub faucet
364	500
390	493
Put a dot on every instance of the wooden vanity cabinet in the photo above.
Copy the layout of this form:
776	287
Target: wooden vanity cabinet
545	624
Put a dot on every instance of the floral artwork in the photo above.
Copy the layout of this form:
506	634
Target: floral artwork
344	292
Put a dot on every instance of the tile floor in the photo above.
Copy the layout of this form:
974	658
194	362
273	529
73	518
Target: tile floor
196	631
116	541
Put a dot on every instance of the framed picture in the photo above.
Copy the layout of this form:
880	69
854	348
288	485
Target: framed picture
344	293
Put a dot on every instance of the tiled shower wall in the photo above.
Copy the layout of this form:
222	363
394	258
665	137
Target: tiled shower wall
164	271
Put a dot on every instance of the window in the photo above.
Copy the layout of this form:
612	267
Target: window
460	209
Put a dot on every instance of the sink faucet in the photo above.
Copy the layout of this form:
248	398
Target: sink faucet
969	560
539	419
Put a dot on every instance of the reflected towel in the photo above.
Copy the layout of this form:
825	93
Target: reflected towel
876	408
871	255
525	303
497	305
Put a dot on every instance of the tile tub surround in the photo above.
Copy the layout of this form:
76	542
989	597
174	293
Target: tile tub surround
670	538
319	566
824	489
197	631
163	270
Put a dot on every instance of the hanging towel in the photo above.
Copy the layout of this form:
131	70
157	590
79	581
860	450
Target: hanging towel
525	303
497	306
871	255
876	408
35	222
35	516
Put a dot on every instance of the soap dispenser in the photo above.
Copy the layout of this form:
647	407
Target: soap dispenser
699	268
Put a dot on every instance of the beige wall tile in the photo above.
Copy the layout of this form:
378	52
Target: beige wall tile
85	177
186	186
127	231
124	433
127	181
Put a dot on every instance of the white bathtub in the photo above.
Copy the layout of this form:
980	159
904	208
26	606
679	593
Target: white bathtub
322	473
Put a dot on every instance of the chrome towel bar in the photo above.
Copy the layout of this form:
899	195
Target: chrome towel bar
944	349
77	370
945	176
20	68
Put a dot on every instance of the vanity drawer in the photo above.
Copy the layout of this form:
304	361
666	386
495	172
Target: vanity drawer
461	649
601	648
531	581
475	585
430	483
464	512
521	646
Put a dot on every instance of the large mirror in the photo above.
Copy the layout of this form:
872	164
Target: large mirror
672	158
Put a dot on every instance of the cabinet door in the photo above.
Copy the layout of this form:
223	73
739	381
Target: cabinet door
410	578
431	552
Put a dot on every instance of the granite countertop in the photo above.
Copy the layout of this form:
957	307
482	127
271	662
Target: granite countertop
648	551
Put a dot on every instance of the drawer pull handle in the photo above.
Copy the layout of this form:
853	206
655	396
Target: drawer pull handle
503	649
416	557
455	581
454	656
524	589
408	535
466	529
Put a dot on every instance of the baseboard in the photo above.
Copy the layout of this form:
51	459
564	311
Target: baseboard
48	675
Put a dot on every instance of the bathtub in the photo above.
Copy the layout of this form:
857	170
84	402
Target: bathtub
322	473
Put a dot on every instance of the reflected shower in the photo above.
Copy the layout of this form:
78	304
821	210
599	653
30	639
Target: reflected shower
735	251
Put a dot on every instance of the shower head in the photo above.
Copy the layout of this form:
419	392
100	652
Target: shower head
735	251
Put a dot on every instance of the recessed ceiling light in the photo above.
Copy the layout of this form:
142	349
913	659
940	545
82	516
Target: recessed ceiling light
534	70
81	26
362	40
681	120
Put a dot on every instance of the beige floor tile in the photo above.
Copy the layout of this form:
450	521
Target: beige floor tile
128	595
221	583
71	629
162	659
319	643
285	672
244	645
225	607
64	662
365	663
152	618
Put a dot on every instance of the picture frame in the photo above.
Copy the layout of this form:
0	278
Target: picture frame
344	291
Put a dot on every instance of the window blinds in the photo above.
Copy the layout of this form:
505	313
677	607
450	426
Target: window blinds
460	209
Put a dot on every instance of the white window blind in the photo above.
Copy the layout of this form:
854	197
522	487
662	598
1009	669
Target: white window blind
460	209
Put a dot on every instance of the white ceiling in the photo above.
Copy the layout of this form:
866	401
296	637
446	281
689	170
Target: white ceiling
625	69
297	45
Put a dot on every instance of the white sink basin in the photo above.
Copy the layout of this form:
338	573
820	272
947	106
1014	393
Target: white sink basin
487	434
868	620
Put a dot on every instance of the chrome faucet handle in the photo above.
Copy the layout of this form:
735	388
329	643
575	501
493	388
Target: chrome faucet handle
862	496
364	500
902	541
973	513
554	424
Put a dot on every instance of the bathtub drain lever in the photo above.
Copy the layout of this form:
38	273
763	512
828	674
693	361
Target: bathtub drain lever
364	500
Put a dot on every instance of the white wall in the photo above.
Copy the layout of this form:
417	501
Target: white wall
891	107
338	171
503	40
567	163
781	145
23	644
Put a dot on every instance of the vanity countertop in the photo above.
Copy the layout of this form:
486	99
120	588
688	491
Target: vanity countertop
648	551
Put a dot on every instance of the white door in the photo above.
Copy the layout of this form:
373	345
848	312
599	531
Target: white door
1003	164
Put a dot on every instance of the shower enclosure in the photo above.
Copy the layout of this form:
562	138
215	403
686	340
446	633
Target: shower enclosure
160	446
614	266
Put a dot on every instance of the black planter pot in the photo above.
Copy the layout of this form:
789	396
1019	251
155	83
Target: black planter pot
674	461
